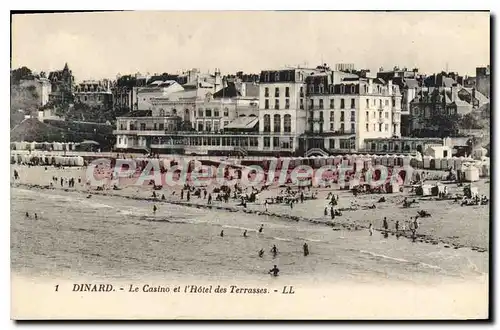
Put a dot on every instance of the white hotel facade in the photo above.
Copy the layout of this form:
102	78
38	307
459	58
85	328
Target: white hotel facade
298	112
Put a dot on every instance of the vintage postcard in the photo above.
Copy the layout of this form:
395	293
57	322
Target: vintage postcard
250	165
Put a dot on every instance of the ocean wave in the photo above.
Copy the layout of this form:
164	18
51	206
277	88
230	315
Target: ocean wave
282	239
383	256
95	204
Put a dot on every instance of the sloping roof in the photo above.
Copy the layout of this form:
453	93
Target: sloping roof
243	122
229	91
411	83
139	113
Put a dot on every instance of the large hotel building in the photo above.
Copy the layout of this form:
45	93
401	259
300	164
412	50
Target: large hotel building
290	112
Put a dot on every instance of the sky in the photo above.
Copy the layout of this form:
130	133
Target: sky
102	45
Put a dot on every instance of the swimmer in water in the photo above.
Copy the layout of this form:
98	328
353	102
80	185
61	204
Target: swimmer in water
274	250
222	233
154	208
36	216
261	253
274	271
261	228
27	215
245	233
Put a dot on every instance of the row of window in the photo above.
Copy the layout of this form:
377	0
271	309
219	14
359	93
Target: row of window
277	92
277	104
374	115
321	103
278	142
233	141
287	123
353	128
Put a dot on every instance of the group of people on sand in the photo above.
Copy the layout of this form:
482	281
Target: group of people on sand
399	227
28	216
274	250
69	182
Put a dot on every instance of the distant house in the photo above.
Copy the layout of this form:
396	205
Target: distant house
438	152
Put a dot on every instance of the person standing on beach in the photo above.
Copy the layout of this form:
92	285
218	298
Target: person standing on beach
265	204
261	253
306	250
397	226
188	197
154	208
205	194
291	204
245	233
222	233
326	211
261	228
302	197
332	213
370	229
182	194
385	224
209	198
274	250
62	182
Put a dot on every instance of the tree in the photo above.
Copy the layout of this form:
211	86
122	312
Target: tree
22	73
471	121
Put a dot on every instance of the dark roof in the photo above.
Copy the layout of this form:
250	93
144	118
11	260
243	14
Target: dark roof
411	83
229	91
139	113
283	76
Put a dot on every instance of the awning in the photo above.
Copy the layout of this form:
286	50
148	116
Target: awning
243	122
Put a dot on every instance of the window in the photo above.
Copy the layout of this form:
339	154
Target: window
367	127
301	91
154	127
321	116
161	127
332	116
386	115
321	88
353	103
277	123
277	92
277	76
276	142
342	89
353	89
367	103
267	142
386	127
216	112
332	126
226	112
342	129
342	116
200	112
332	143
267	76
226	122
200	126
208	126
287	92
311	104
345	144
266	92
342	105
332	104
380	127
287	123
216	126
386	102
311	89
276	104
302	103
266	104
267	123
208	112
143	126
353	128
380	103
119	140
174	112
374	127
393	102
367	116
321	103
380	115
287	103
353	115
162	113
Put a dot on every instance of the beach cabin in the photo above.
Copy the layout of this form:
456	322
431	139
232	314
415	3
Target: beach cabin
424	190
470	173
438	151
